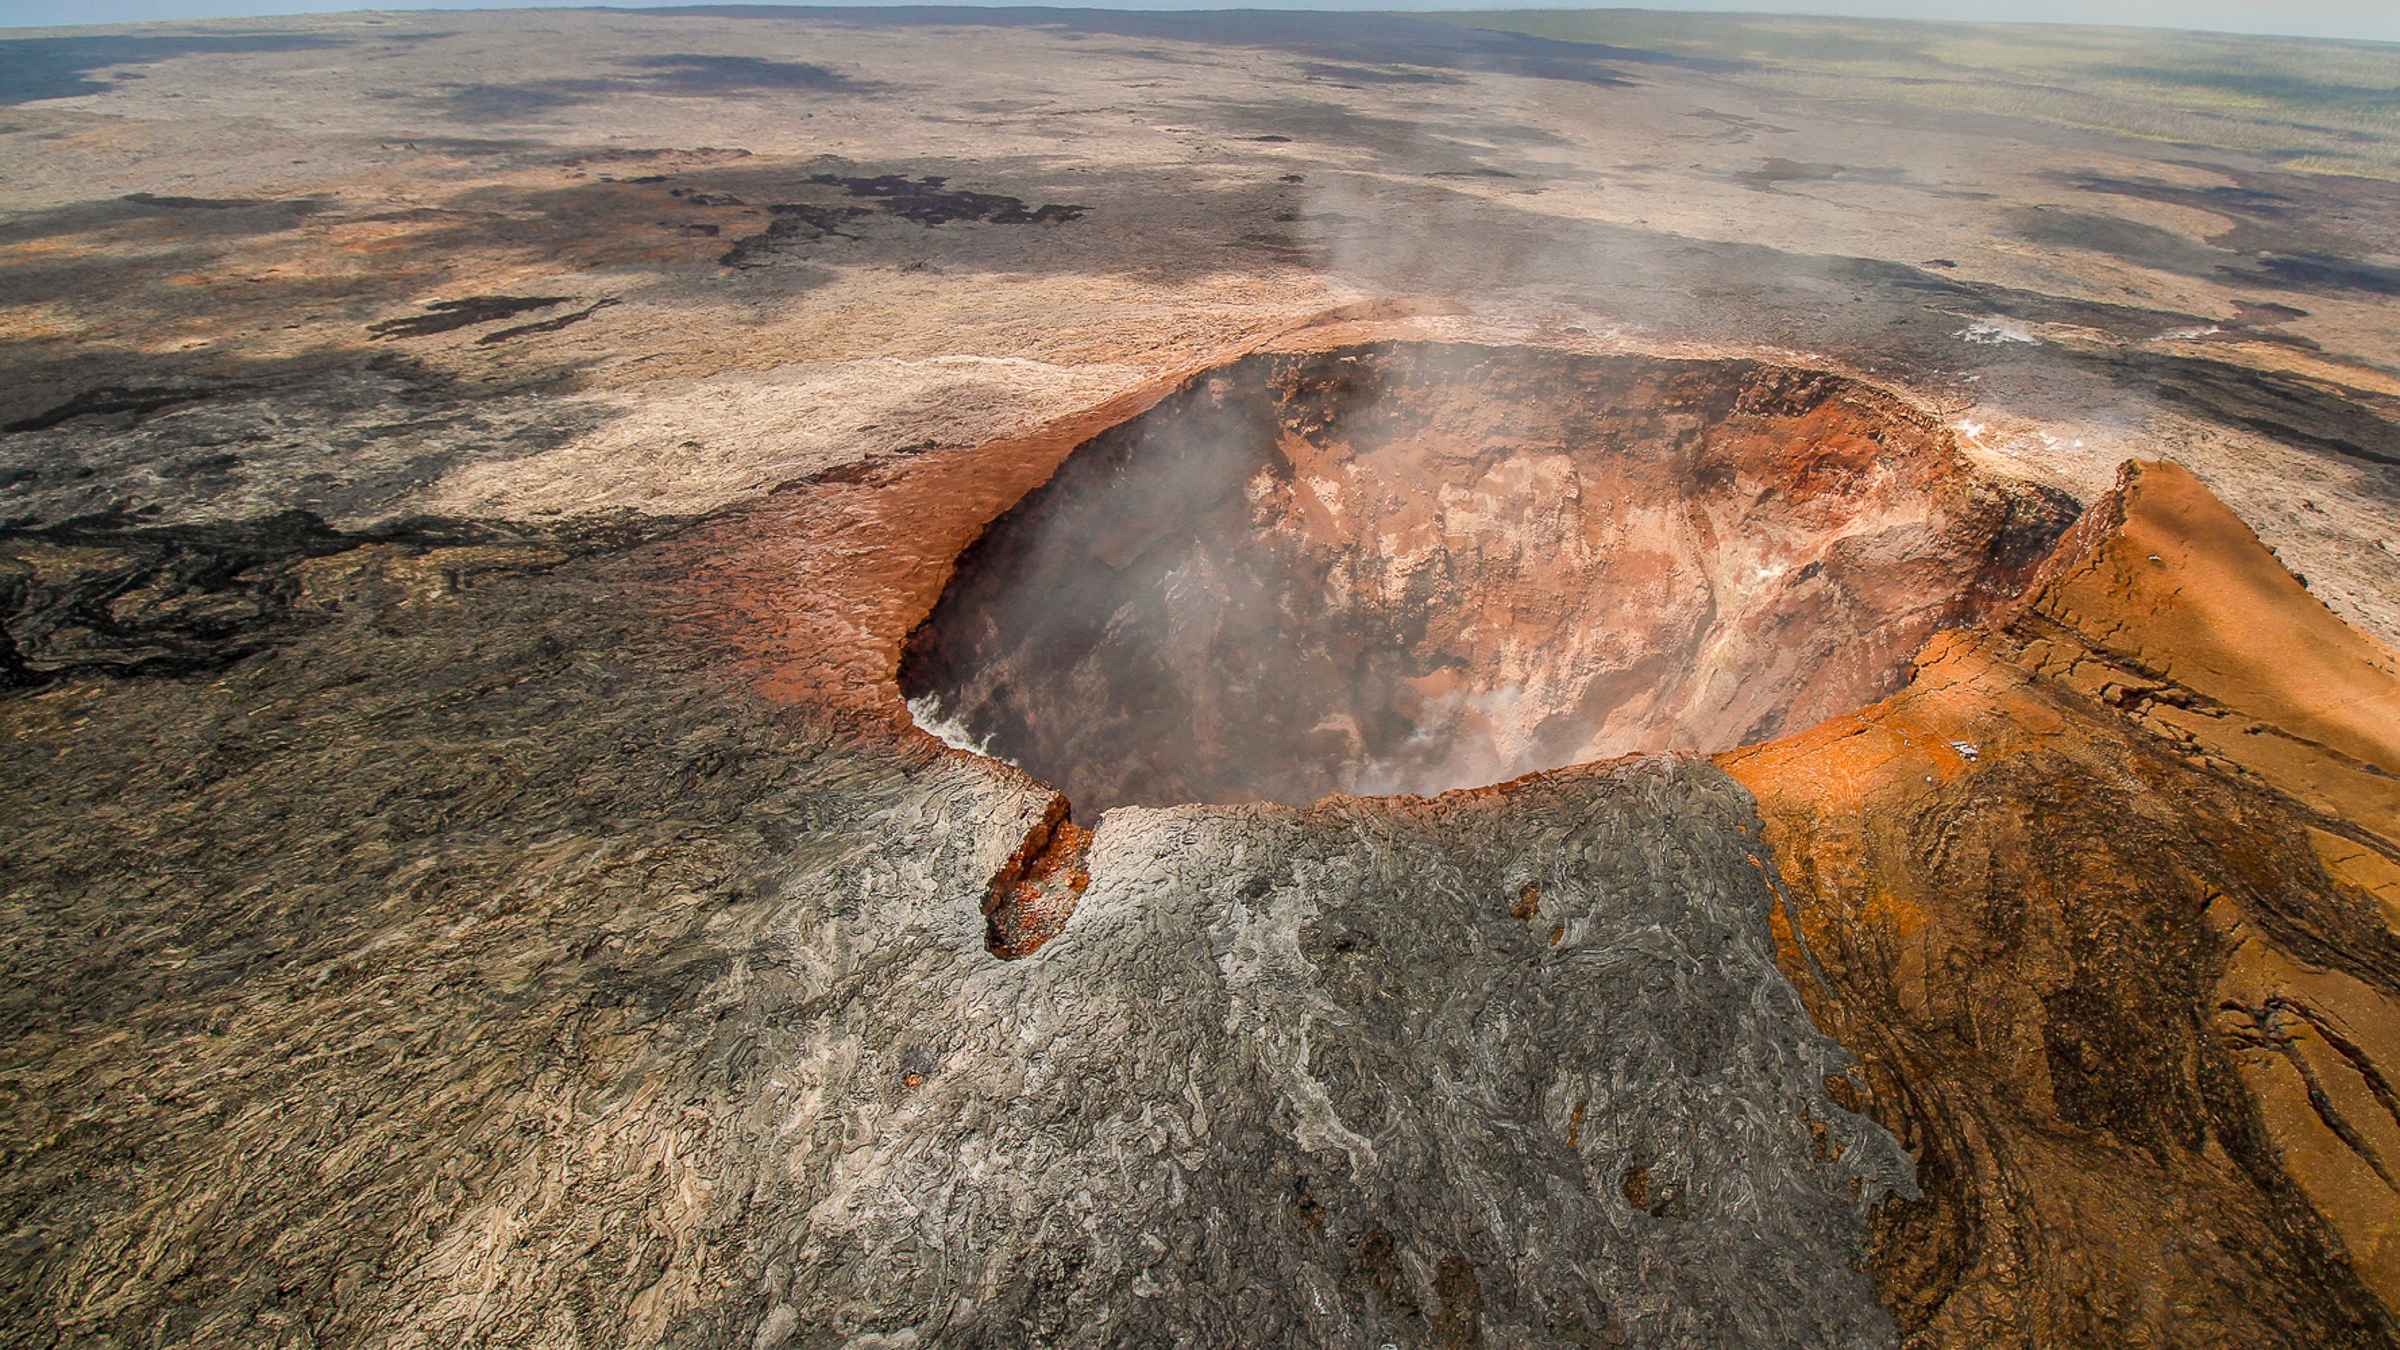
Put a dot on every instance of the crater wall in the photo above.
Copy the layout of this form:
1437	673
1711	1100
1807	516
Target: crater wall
1408	567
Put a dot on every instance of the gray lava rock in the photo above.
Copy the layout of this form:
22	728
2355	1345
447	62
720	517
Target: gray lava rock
511	975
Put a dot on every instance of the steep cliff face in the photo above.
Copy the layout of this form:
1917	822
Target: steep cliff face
1411	567
2105	902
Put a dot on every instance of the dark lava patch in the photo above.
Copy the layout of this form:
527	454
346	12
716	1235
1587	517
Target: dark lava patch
112	595
930	201
1347	39
690	73
2240	200
2348	423
2317	272
187	218
2149	246
546	325
791	223
109	595
60	67
192	203
927	200
446	316
109	401
674	74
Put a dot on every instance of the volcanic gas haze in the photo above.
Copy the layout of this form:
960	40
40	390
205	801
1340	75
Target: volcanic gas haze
1414	567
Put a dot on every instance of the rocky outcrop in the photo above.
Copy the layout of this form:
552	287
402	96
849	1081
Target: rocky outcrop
2105	903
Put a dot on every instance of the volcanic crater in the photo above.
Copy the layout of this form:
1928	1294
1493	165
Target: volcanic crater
1407	567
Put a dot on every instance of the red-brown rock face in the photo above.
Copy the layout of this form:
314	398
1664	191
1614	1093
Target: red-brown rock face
1410	567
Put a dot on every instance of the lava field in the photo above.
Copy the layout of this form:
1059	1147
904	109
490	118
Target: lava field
758	677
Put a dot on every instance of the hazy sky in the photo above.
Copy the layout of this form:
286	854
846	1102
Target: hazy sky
2379	19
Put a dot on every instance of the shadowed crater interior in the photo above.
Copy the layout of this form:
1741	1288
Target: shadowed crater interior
1413	567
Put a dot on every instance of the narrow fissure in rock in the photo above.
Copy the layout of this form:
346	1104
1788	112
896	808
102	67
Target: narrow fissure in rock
1035	892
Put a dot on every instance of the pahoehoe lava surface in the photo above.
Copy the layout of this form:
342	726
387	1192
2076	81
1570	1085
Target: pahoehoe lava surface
1241	1105
1417	567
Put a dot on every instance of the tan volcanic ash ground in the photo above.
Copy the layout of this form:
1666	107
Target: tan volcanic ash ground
466	154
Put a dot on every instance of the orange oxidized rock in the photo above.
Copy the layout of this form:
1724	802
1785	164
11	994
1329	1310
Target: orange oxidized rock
2104	901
